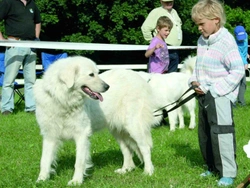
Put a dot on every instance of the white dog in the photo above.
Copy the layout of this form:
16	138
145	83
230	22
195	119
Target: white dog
66	109
168	88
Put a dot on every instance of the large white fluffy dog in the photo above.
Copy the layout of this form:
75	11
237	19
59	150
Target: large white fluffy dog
168	88
67	109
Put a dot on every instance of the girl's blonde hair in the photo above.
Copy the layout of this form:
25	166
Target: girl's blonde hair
164	21
209	9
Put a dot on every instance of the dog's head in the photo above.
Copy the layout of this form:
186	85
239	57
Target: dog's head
78	76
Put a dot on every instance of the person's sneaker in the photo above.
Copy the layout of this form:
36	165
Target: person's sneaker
5	113
224	181
206	174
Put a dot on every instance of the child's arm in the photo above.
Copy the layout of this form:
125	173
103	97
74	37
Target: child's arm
149	52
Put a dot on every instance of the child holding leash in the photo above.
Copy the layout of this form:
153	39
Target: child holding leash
157	51
218	71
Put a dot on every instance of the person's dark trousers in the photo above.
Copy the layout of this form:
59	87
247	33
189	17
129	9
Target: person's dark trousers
242	90
174	61
217	135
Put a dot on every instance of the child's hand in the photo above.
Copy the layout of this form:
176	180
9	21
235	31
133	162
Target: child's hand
199	91
196	88
159	46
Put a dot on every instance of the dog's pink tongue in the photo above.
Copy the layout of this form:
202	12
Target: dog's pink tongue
99	96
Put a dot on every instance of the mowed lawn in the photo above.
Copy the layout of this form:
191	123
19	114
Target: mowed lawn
175	155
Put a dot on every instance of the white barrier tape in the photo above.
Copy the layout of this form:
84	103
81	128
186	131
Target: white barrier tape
83	46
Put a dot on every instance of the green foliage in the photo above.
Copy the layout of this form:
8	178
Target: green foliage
237	16
119	21
100	22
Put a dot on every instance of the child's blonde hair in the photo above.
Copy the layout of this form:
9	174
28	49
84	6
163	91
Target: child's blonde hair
209	9
164	21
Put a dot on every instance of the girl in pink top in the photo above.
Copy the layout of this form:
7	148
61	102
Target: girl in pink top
157	51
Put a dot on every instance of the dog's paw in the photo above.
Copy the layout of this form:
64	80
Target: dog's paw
124	170
74	182
149	171
42	178
121	171
172	129
181	126
191	126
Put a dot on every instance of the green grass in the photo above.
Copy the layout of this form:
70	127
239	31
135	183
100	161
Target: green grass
175	155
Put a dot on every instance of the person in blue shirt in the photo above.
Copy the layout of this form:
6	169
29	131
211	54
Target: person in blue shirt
242	42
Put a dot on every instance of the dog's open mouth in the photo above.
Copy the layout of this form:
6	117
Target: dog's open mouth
92	94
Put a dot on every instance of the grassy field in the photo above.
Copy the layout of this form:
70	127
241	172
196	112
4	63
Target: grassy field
175	155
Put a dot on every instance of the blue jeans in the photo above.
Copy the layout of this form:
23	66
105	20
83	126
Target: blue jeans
174	61
14	58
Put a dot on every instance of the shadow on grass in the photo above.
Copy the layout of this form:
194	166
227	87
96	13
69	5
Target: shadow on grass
100	160
106	158
19	108
191	155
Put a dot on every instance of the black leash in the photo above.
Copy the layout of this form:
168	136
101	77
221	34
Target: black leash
179	102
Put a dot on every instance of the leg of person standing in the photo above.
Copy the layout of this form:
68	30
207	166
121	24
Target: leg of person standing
204	137
174	61
242	90
14	58
219	115
13	61
29	72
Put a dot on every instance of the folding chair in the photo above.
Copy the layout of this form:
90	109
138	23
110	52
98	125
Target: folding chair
17	86
48	59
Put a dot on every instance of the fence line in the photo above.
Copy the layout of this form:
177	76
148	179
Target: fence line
83	46
92	46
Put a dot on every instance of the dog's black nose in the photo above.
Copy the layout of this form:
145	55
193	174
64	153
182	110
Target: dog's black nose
106	87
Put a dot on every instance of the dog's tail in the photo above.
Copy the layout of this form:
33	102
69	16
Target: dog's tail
188	65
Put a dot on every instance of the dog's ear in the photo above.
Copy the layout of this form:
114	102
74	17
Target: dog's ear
68	74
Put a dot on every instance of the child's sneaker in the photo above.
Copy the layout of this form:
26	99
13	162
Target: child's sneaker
224	181
206	174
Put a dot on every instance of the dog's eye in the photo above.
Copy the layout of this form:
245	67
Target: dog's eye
92	75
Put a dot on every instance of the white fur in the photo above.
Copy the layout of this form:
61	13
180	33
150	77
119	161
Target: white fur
64	111
188	65
168	88
246	149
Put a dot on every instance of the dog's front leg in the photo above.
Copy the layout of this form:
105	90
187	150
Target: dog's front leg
48	155
83	159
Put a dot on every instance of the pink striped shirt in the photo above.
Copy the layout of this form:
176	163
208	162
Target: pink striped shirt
219	67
